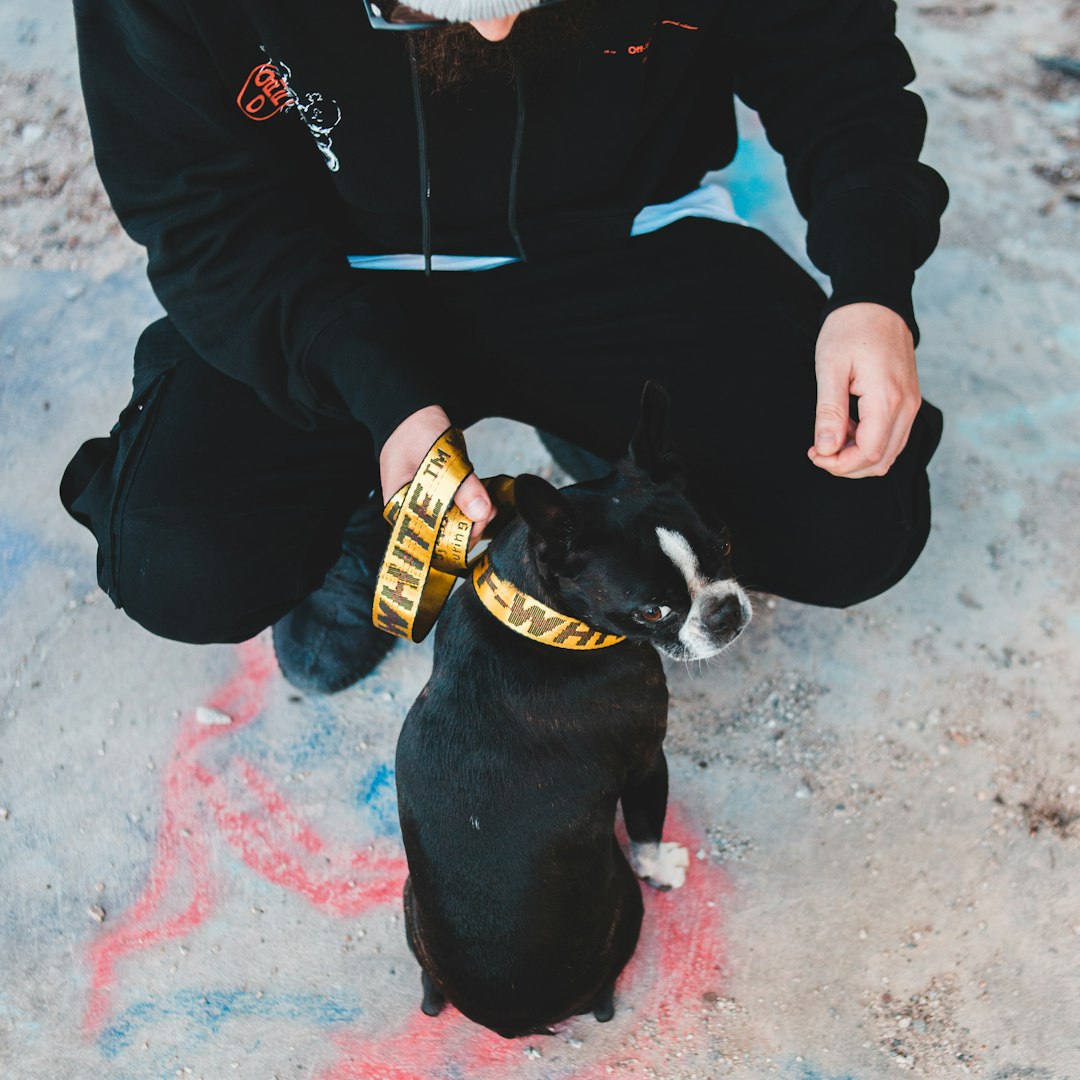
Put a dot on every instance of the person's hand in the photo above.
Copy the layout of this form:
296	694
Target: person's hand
403	452
865	350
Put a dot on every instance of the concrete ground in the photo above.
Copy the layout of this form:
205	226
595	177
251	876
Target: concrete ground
883	803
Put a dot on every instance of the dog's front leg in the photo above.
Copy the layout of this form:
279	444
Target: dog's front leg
644	804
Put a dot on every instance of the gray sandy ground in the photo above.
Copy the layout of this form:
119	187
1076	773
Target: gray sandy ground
883	804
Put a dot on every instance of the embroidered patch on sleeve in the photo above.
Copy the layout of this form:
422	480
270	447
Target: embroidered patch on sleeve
268	91
264	94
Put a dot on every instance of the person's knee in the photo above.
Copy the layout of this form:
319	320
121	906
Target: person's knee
187	584
852	542
885	549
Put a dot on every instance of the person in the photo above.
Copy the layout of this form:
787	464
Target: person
364	224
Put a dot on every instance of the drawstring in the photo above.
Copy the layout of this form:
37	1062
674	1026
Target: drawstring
515	161
425	172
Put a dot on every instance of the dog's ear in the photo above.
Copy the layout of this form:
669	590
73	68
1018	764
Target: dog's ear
651	448
548	515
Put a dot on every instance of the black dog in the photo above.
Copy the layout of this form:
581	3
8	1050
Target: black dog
520	906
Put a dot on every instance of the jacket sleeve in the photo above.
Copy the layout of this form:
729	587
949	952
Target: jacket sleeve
828	79
238	222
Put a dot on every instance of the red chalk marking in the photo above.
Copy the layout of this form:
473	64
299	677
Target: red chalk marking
277	809
273	841
181	839
679	958
348	882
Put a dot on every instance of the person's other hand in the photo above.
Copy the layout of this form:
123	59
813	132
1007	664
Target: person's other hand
406	448
866	350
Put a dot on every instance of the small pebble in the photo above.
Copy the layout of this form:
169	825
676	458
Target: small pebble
96	912
4	815
212	717
532	1052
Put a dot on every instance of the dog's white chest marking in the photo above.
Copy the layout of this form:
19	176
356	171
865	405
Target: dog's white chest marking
662	865
474	822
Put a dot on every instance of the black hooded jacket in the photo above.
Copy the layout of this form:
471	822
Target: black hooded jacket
251	146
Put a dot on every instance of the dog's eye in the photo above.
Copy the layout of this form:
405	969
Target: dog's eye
725	550
653	613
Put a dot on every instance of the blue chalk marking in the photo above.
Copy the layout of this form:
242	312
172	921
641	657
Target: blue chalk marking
17	551
377	795
323	737
1012	504
205	1011
1068	337
803	1071
1035	433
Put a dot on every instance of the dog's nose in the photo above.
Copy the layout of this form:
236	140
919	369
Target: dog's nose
723	616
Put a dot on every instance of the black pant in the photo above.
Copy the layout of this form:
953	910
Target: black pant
214	517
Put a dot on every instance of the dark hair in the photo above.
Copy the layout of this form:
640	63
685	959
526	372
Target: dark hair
453	56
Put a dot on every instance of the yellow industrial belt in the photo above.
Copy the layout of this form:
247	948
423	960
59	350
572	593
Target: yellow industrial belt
429	550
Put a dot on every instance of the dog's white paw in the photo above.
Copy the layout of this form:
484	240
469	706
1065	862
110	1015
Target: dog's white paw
662	865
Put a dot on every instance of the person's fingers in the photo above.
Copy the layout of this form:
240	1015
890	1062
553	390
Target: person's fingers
866	455
474	502
897	441
872	348
831	416
403	453
879	437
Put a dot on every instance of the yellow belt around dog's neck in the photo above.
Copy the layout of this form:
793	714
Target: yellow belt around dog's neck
532	619
429	550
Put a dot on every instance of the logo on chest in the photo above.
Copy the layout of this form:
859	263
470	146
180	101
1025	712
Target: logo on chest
640	49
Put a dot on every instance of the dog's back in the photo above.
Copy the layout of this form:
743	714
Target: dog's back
509	770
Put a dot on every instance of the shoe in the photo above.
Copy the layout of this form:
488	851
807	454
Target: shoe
327	642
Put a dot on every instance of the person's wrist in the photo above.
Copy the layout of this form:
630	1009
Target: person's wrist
868	316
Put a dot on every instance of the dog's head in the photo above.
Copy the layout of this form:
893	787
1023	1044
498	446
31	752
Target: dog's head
629	553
